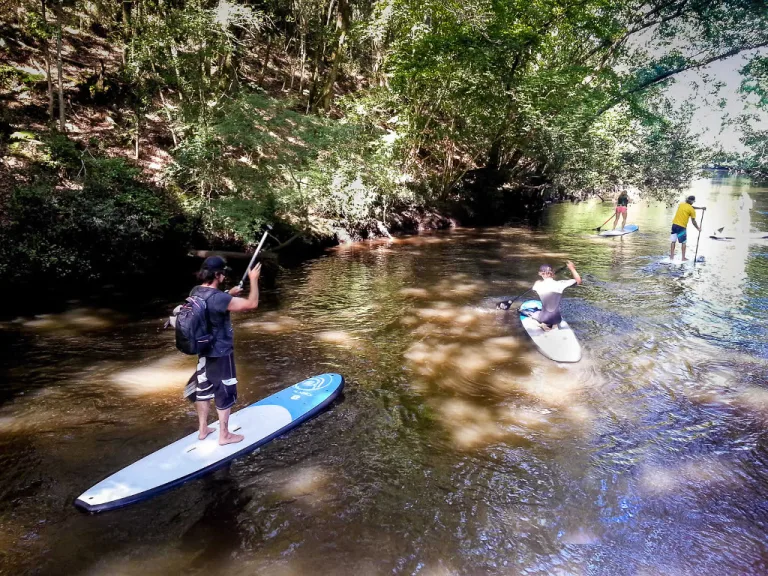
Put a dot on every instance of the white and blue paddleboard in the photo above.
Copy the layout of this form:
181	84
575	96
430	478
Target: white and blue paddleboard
683	263
628	229
190	458
559	344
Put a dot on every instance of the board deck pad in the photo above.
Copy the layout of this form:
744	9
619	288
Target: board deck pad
558	344
628	229
190	458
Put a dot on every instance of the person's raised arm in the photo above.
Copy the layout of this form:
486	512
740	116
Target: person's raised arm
238	304
575	274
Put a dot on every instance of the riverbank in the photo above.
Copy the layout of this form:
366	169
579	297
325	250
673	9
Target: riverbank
457	447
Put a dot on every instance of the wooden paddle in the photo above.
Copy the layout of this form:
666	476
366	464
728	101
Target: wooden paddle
604	223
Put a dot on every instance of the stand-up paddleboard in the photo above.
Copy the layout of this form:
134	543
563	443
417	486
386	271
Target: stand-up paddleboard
628	229
682	263
558	344
190	458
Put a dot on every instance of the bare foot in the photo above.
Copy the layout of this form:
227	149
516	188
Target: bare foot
685	259
545	327
204	435
231	439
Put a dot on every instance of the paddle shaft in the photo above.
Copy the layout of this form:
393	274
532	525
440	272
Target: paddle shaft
701	225
509	302
253	259
606	222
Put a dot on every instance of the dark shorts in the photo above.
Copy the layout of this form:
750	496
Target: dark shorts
215	380
679	234
544	317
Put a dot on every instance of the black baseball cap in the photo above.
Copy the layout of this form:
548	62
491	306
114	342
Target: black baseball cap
691	199
216	264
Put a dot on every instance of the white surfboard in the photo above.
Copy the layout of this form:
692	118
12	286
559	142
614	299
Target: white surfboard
559	344
682	263
190	458
628	229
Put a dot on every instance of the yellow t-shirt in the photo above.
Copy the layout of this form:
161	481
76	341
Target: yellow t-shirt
684	211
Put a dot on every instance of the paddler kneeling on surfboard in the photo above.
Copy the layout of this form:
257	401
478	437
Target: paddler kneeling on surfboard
550	293
215	377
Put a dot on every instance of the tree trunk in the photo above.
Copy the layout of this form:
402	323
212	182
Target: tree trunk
138	133
175	60
62	123
127	7
292	68
342	25
47	56
266	60
303	50
312	100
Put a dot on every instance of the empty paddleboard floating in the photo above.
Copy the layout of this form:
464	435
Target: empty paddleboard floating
559	344
190	458
628	229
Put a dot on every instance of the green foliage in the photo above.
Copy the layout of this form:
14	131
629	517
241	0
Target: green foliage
545	95
188	48
755	89
11	76
105	225
261	161
525	86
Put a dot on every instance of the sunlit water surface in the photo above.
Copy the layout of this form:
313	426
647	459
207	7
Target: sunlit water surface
456	448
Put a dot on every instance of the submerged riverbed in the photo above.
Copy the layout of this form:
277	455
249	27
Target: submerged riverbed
457	448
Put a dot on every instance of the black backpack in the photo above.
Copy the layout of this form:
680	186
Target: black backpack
193	327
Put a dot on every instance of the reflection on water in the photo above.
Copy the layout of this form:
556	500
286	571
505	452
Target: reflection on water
457	448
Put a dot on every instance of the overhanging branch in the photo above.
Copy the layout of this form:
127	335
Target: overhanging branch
673	72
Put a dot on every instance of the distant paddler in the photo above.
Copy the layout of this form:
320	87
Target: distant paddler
621	209
685	211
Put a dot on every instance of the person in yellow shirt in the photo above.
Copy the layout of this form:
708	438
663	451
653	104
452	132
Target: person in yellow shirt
685	211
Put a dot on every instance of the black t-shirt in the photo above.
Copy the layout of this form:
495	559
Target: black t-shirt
221	325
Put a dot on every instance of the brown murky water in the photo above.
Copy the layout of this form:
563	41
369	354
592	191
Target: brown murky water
457	448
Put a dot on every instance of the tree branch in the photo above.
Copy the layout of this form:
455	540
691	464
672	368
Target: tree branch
673	72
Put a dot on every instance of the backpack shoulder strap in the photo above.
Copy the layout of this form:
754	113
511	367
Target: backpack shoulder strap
205	301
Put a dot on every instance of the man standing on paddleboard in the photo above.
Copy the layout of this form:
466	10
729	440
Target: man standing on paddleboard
685	211
550	293
215	378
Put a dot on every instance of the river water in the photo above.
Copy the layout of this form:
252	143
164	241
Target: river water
457	448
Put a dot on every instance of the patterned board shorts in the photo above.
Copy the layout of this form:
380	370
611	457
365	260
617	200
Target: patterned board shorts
679	234
215	380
